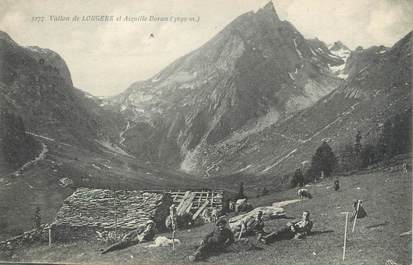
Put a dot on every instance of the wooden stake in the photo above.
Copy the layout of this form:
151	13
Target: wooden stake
355	217
240	233
173	242
345	237
50	236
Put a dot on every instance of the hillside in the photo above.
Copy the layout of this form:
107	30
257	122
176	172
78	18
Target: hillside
386	197
64	167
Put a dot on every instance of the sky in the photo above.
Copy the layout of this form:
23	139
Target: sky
104	58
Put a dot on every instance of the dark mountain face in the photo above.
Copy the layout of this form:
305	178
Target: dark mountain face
35	83
374	94
255	72
16	146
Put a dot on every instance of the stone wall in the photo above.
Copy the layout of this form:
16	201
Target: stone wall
26	239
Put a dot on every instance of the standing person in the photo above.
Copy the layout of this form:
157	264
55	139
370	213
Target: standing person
297	229
216	241
336	184
231	206
139	235
171	221
172	214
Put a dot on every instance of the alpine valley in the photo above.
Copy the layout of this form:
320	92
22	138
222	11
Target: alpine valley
252	104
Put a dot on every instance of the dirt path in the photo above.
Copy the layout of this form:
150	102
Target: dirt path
39	157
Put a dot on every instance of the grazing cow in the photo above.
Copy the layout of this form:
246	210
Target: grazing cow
304	193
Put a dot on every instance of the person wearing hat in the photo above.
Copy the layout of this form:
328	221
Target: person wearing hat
215	241
139	235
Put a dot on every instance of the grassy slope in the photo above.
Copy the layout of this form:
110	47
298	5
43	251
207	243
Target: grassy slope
39	185
387	200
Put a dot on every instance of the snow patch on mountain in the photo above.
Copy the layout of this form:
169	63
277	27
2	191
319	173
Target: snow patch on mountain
296	49
313	91
263	122
338	50
189	163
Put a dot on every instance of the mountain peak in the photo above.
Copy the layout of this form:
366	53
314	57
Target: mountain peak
269	5
338	45
268	9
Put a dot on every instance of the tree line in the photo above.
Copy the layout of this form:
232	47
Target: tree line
393	138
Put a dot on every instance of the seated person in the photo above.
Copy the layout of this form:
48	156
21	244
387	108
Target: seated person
139	235
216	241
252	226
297	229
360	212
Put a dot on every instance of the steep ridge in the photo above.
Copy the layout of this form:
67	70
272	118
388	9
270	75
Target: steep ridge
35	83
253	73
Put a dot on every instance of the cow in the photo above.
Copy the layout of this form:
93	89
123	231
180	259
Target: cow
304	193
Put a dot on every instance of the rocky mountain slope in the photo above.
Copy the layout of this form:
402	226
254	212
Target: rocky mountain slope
378	87
35	83
36	86
255	72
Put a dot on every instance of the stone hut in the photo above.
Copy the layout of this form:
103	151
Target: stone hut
88	213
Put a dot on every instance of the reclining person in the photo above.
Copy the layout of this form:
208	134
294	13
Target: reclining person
139	235
252	226
297	229
216	241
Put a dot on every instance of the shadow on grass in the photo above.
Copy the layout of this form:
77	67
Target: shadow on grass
237	247
285	217
377	225
283	237
314	233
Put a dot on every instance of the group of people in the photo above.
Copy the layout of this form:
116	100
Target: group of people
221	237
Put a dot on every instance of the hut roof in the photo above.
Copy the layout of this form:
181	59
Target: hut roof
100	208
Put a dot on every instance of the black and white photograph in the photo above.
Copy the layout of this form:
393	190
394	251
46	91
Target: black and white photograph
206	132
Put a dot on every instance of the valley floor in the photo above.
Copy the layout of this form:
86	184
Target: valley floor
386	197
